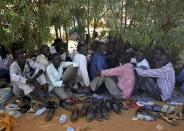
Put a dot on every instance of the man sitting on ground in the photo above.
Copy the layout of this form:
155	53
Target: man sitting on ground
5	62
140	60
28	79
125	75
98	60
44	55
165	79
81	59
59	80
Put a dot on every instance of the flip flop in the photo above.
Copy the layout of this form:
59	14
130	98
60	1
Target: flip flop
168	118
179	114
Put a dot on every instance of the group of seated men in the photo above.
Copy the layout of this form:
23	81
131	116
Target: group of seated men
51	73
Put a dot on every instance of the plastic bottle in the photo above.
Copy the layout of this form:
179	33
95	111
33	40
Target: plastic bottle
40	111
63	119
69	129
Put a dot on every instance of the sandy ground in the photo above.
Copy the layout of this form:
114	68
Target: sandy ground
116	122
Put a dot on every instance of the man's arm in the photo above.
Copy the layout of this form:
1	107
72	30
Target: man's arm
36	66
66	64
159	73
16	78
111	72
55	83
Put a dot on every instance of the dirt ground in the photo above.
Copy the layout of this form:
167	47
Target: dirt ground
116	122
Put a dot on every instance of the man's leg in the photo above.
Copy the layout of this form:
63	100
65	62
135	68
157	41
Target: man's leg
69	75
112	88
40	95
150	86
180	78
182	87
96	83
62	93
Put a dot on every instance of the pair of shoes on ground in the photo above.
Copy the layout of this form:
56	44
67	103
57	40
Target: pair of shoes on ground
101	110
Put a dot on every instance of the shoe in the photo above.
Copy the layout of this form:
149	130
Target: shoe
105	114
108	106
98	113
50	114
74	115
84	109
67	106
90	114
24	108
116	108
51	111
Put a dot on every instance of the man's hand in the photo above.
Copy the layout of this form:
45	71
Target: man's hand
45	87
29	81
98	73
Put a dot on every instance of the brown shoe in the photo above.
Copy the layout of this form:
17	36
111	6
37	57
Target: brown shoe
67	106
84	109
74	115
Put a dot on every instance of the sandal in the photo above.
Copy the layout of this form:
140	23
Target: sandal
168	118
179	114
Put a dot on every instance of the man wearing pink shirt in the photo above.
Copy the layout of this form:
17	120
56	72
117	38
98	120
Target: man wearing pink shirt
125	75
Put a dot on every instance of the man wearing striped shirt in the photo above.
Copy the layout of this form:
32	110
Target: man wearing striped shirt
165	79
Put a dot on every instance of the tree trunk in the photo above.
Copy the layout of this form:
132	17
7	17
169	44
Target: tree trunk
66	34
56	31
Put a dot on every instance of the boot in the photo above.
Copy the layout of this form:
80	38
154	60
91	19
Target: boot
90	113
105	114
74	115
84	109
116	108
98	113
51	111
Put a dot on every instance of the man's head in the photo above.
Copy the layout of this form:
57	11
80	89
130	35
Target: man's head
82	49
139	55
56	59
44	49
163	60
124	57
58	44
102	48
158	52
21	58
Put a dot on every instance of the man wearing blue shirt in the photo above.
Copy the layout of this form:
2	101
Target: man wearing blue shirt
98	60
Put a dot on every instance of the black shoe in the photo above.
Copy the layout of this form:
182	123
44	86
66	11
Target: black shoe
105	114
50	114
25	108
90	114
74	115
108	105
98	113
67	106
116	108
51	111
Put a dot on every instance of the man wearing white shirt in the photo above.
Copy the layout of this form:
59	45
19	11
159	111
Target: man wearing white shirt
43	57
81	59
140	61
57	78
